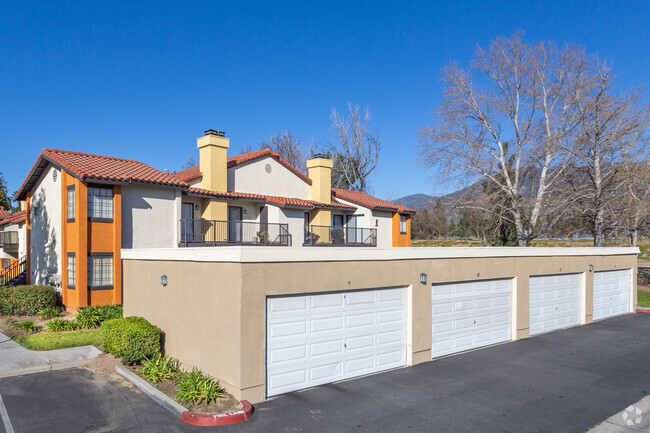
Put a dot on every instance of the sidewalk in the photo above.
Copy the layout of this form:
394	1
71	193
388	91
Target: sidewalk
634	418
15	360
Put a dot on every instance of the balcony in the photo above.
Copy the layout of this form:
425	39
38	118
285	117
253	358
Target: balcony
339	236
200	232
8	239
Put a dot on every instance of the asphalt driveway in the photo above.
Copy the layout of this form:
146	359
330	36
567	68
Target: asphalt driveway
564	381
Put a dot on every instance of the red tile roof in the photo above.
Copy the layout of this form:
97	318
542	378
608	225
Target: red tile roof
194	172
188	174
281	201
15	218
232	195
366	200
4	213
89	167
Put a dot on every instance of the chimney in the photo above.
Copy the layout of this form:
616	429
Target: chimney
320	173
213	156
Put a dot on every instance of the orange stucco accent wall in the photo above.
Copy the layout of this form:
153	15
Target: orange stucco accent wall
401	240
83	237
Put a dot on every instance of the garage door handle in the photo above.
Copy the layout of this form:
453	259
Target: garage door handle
345	345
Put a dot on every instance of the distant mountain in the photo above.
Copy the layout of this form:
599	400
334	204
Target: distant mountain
417	201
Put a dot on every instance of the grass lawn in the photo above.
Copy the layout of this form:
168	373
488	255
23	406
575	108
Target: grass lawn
59	340
643	298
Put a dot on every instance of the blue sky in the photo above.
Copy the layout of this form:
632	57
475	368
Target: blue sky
142	81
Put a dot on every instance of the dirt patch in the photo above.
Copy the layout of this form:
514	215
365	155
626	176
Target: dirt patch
225	404
104	364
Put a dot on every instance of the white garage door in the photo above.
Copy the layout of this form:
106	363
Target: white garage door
554	302
470	314
317	339
611	293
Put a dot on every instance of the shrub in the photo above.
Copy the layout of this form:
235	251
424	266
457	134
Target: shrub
26	325
26	300
195	387
60	325
109	312
131	338
48	313
159	368
87	317
91	317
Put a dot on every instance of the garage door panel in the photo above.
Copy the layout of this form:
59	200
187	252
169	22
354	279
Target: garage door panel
611	293
326	324
340	336
554	302
289	304
333	347
481	315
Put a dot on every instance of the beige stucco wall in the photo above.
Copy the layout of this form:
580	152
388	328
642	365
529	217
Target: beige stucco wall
214	314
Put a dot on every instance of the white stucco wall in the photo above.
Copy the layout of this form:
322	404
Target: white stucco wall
150	216
252	177
45	263
380	220
296	220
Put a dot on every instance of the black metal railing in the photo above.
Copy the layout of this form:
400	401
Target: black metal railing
13	271
340	236
8	239
200	232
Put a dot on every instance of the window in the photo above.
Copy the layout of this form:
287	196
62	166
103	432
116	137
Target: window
71	204
72	270
402	224
100	203
100	271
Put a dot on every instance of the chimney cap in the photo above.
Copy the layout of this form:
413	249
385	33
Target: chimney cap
215	132
318	155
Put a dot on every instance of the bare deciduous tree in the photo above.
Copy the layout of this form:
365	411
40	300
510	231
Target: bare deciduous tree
633	209
289	147
609	140
507	121
357	153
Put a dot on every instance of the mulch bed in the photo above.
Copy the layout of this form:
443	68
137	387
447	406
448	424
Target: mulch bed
225	404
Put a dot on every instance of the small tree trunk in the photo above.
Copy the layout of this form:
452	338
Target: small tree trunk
599	229
634	236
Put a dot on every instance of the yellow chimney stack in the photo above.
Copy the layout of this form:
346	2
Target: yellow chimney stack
213	160
213	163
320	173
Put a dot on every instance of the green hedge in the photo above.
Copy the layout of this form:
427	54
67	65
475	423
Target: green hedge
131	338
26	300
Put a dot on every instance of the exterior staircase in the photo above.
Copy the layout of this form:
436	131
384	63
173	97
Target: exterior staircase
15	274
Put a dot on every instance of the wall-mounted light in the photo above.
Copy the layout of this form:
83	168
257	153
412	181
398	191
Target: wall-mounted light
163	280
423	278
376	223
591	268
197	207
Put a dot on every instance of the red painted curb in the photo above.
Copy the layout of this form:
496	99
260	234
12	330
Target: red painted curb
642	310
227	418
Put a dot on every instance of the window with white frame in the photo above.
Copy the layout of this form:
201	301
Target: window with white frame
100	202
100	271
72	270
402	224
71	203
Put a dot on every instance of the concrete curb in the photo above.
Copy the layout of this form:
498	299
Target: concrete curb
180	411
224	419
642	309
156	395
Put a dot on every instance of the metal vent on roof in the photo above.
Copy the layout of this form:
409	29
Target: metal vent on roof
215	132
